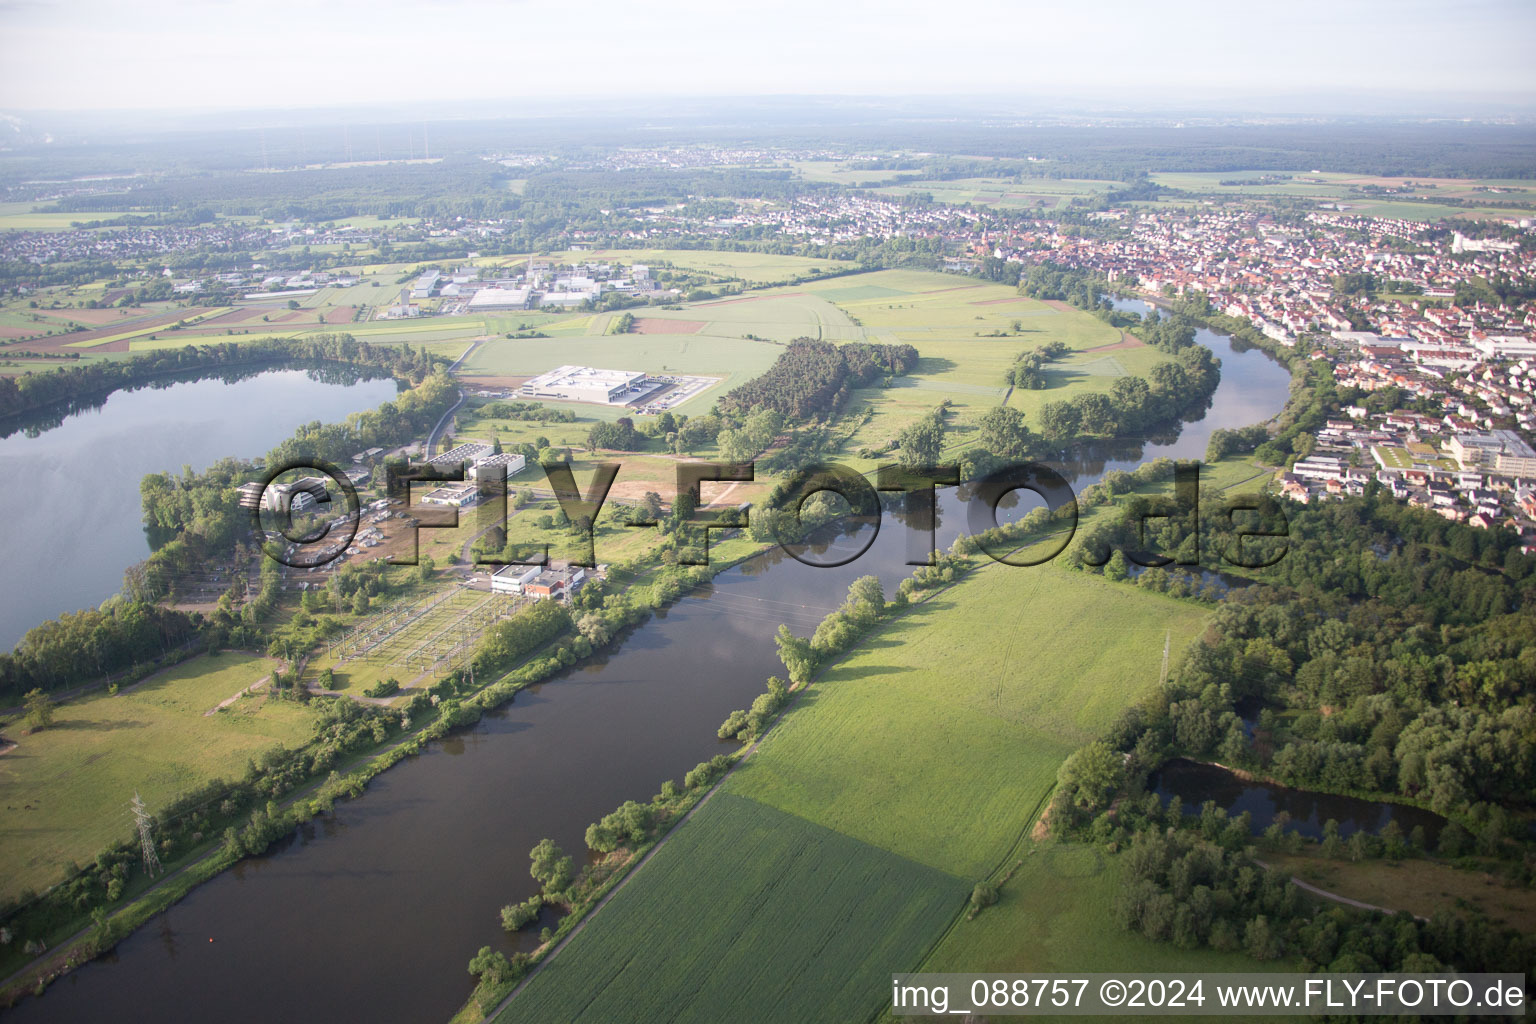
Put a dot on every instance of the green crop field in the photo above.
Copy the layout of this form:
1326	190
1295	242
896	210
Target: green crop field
934	744
767	917
64	791
981	720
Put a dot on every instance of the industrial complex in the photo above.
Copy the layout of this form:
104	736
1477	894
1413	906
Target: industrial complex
589	384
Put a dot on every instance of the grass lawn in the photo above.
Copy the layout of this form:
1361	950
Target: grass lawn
767	917
64	792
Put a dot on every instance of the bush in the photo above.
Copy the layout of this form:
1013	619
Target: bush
519	915
383	688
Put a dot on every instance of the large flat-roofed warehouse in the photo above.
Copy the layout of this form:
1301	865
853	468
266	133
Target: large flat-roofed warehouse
499	298
587	384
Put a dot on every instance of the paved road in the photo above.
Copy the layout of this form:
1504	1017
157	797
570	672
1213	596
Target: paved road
437	431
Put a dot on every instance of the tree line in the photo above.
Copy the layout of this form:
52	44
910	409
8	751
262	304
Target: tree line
35	391
814	378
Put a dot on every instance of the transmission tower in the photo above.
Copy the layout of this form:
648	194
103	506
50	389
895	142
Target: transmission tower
1167	640
146	836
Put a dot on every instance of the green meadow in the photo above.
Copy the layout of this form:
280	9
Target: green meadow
64	791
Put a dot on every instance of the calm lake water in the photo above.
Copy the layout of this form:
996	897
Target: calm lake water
71	506
374	913
1195	783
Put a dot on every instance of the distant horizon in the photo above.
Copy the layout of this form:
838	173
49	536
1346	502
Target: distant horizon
663	108
1314	57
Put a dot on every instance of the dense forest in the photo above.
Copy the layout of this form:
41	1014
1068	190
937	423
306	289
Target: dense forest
1389	654
1363	145
814	378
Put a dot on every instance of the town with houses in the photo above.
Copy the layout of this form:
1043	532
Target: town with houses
1463	373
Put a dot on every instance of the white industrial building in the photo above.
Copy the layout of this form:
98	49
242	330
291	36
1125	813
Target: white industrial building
566	300
513	461
509	579
453	495
499	298
589	384
460	454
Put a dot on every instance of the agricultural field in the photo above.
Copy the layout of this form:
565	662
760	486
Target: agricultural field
64	791
1351	190
769	917
838	172
1003	193
20	217
752	267
981	722
934	743
967	333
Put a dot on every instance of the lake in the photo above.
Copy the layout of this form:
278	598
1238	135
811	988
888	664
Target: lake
71	507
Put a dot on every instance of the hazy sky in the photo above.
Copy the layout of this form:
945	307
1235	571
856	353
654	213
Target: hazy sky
98	54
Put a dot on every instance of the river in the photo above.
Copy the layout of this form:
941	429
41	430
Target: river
373	913
71	505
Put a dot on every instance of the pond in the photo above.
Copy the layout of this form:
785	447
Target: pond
1194	783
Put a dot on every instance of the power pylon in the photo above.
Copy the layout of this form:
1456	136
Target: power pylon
146	836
